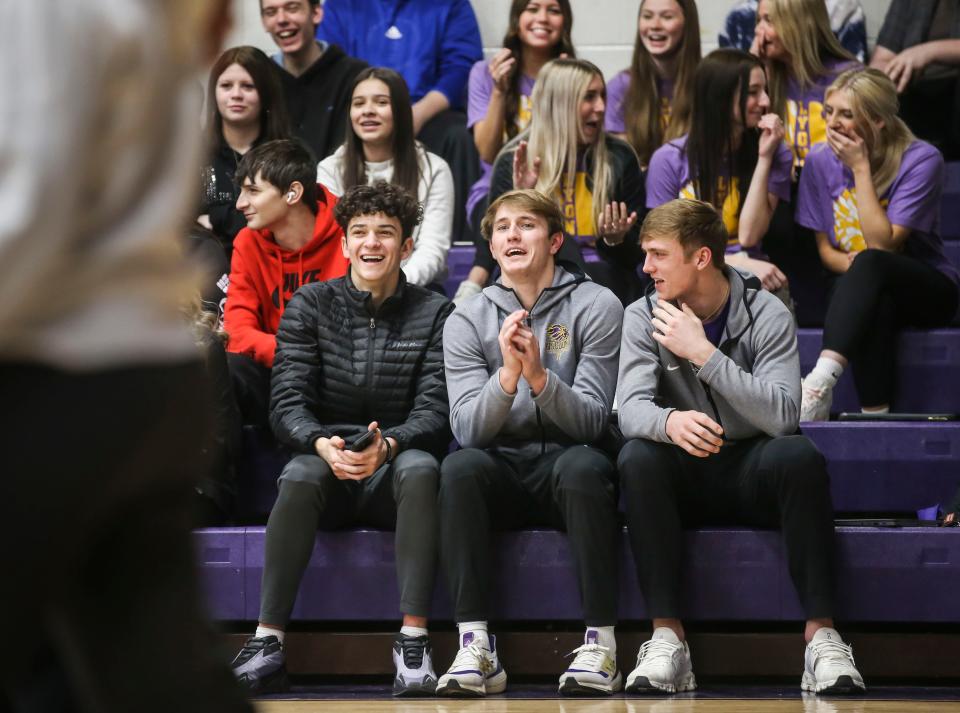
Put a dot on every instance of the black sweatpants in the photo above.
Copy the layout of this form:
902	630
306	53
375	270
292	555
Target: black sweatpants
447	135
881	293
96	553
251	387
572	489
762	482
400	496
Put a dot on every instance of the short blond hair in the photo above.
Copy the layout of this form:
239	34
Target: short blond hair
529	200
695	224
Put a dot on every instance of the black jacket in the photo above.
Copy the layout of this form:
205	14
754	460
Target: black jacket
220	193
318	101
340	365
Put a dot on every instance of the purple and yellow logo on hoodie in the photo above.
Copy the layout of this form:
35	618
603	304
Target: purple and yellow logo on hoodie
558	339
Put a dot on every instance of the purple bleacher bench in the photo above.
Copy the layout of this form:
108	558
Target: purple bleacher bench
950	203
886	575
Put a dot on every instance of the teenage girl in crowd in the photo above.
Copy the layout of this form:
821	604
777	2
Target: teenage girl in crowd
245	108
872	193
595	178
802	57
649	103
380	146
734	158
498	106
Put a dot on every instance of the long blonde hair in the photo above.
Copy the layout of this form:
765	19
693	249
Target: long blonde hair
641	104
873	98
554	131
804	29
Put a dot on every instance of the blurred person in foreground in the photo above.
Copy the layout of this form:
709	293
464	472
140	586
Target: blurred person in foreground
99	375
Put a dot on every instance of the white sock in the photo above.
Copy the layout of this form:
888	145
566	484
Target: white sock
413	631
268	631
604	636
479	631
826	372
876	409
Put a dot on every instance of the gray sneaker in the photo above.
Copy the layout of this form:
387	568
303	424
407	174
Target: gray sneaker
261	666
414	665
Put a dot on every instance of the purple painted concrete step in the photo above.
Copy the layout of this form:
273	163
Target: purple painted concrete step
909	574
928	371
889	467
221	552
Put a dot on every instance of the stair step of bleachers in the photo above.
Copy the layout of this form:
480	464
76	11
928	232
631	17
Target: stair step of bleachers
927	377
888	466
885	575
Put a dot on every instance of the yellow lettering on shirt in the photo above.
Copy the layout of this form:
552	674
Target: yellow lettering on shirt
577	202
805	127
847	233
731	205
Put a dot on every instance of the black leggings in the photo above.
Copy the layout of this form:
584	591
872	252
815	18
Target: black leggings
881	293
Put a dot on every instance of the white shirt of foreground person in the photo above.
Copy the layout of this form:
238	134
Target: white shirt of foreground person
99	137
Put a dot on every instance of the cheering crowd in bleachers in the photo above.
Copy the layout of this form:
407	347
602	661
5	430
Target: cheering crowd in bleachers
650	242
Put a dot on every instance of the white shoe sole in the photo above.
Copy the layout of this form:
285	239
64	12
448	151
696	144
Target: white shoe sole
841	685
571	686
454	687
686	683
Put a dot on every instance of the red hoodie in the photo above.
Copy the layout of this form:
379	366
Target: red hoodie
264	276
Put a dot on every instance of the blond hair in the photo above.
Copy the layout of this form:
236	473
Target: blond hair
554	131
804	29
695	225
873	98
528	200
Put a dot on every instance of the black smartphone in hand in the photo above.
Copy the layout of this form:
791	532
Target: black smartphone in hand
361	443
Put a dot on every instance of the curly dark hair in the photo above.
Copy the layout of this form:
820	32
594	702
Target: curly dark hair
381	197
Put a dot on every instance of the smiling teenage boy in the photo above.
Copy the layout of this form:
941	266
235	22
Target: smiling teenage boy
325	398
709	391
291	239
531	367
317	76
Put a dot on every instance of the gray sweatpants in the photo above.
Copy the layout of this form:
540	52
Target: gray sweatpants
402	495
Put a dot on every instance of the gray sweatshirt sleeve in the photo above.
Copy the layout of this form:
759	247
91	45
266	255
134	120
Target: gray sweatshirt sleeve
767	398
638	414
478	404
582	410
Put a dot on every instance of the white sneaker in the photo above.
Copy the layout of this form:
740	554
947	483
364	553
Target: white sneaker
815	401
592	671
475	671
663	665
828	665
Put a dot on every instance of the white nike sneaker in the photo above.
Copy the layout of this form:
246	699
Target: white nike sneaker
663	665
475	671
592	671
828	665
816	400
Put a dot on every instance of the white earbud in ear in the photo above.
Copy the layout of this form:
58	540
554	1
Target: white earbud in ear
290	196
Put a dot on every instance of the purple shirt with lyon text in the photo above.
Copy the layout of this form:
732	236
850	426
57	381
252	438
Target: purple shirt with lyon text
827	203
614	119
668	177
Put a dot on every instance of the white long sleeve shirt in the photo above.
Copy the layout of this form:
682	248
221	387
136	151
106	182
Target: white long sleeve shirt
431	239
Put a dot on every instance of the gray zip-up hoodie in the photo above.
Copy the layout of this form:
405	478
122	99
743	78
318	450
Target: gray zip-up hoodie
577	323
750	385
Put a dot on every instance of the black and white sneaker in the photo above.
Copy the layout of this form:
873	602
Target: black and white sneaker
261	665
411	658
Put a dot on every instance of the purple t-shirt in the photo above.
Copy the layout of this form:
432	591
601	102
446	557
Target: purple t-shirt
668	177
714	328
480	87
804	114
827	203
614	120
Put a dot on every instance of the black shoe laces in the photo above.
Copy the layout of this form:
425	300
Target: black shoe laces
413	648
252	648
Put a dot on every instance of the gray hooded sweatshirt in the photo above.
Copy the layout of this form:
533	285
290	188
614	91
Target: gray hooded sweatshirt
750	385
577	323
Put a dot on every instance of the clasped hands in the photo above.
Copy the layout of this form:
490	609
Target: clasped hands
521	354
353	465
